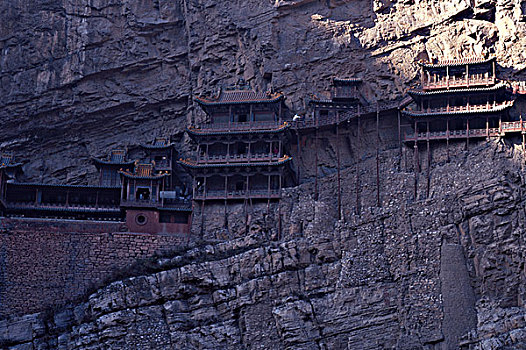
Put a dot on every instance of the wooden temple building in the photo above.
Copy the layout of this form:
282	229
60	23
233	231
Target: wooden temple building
143	195
344	103
459	99
240	152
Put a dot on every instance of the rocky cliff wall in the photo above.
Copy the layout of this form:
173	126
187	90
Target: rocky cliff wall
428	273
79	77
45	264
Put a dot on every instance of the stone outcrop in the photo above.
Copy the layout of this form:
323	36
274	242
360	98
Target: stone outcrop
80	77
391	277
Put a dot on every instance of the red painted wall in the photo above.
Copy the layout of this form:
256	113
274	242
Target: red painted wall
152	224
45	263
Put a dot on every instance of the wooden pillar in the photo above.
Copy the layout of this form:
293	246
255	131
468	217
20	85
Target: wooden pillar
299	155
338	169
122	190
467	133
358	134
203	217
493	68
378	204
447	139
447	77
316	164
467	75
268	187
416	168
399	141
487	129
428	167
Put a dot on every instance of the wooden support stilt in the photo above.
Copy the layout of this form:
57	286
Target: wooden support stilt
377	156
522	133
428	168
358	134
416	170
202	218
299	156
245	203
399	142
339	176
467	133
316	161
487	129
447	140
225	224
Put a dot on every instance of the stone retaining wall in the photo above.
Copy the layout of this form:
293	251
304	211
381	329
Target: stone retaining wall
46	263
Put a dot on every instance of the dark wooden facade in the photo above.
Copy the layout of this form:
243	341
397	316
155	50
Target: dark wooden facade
459	99
142	194
240	153
345	103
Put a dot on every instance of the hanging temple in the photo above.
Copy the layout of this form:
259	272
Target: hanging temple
242	149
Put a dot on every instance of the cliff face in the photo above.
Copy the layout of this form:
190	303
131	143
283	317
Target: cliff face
80	77
430	273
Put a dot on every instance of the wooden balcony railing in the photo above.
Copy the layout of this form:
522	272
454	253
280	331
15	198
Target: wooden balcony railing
452	82
221	194
241	126
489	107
163	164
63	207
239	158
506	127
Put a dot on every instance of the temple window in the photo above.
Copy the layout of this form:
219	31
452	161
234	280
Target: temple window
143	193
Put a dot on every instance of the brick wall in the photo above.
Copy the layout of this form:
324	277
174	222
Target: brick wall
46	263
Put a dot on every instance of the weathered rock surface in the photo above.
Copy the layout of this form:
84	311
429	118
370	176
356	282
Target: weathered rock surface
430	273
79	77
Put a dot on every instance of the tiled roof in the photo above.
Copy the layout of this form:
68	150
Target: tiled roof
116	157
143	171
457	62
159	143
36	184
240	96
347	80
458	90
205	132
192	164
8	161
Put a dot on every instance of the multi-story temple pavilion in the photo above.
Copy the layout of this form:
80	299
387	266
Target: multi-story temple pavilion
109	168
344	103
459	99
241	150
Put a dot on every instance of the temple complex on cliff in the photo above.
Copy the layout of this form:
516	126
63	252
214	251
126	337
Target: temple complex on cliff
460	99
148	196
241	151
